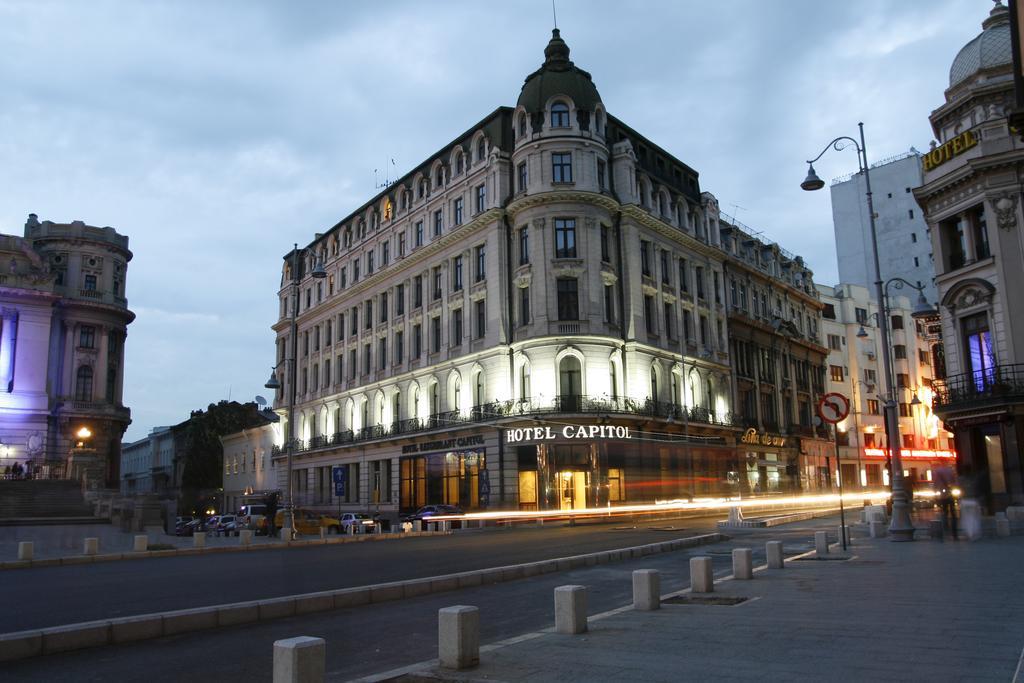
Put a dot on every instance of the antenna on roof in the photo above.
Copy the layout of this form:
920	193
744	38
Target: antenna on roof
377	185
734	209
554	15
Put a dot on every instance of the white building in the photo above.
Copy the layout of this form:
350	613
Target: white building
856	370
248	466
904	242
532	318
147	465
972	201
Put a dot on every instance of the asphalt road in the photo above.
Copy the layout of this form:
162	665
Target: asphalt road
376	638
53	596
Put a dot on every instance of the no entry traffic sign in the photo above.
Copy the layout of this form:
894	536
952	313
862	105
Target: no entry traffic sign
833	408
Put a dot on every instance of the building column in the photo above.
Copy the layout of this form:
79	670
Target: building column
8	334
99	383
69	370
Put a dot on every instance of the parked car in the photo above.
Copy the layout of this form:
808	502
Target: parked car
227	525
180	522
307	522
428	511
253	517
362	522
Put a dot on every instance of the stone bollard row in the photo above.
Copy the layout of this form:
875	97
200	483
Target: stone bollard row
141	543
571	609
458	637
702	579
26	550
821	543
742	564
646	589
773	550
844	531
199	539
300	660
877	529
91	546
245	537
1002	527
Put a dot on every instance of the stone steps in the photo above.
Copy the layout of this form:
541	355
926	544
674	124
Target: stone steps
42	498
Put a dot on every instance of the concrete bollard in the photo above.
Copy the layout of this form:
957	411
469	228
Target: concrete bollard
702	579
821	543
417	526
458	637
773	551
199	539
646	589
571	609
876	529
141	543
970	519
742	563
378	528
300	660
1002	527
91	546
245	537
844	531
935	530
26	549
287	534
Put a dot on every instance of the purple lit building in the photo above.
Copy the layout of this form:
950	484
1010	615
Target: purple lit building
64	321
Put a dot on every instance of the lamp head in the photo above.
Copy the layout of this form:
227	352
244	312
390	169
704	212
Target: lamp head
916	401
318	269
273	382
923	309
862	333
812	181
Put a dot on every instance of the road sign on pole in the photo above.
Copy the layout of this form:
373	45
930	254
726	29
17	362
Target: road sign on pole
833	407
338	474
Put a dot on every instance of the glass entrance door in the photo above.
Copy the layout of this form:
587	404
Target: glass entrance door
572	489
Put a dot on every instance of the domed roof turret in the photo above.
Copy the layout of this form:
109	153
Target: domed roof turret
990	49
558	76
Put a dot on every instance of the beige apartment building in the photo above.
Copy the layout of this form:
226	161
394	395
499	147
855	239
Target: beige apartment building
533	318
855	370
971	197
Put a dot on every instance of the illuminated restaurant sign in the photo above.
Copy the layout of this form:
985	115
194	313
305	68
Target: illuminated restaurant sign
566	432
752	436
444	444
950	148
909	454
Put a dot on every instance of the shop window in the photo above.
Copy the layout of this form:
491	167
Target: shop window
616	485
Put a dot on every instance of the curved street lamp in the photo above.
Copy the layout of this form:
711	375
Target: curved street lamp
274	383
902	527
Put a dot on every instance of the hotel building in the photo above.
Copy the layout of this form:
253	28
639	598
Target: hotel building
533	318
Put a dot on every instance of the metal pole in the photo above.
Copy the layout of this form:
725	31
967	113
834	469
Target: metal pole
901	528
293	379
842	510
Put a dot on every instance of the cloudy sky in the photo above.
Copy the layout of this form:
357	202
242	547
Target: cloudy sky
216	134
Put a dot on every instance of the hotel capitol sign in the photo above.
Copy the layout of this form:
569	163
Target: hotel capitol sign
570	432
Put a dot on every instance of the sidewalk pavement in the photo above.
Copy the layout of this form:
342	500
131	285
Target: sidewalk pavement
895	611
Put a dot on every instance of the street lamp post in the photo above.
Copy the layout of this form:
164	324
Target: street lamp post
901	527
319	273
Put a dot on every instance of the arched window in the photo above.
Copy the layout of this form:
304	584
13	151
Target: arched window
559	115
613	380
396	407
440	176
434	394
478	390
522	126
481	150
457	394
83	384
380	409
570	386
459	164
416	402
422	188
675	389
654	384
524	382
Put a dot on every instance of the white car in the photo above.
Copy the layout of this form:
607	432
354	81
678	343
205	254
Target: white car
362	522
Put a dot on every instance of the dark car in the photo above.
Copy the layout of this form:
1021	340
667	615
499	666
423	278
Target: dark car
179	524
428	511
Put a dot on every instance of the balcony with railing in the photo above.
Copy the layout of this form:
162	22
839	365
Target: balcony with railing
500	410
997	385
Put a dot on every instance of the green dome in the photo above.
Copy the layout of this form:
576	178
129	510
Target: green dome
558	76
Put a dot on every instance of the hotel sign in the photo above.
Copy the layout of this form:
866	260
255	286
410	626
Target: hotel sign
752	436
571	432
951	148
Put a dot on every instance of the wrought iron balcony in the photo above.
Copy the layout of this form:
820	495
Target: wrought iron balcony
998	385
498	410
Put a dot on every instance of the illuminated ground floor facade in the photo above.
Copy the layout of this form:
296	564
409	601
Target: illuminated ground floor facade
553	463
